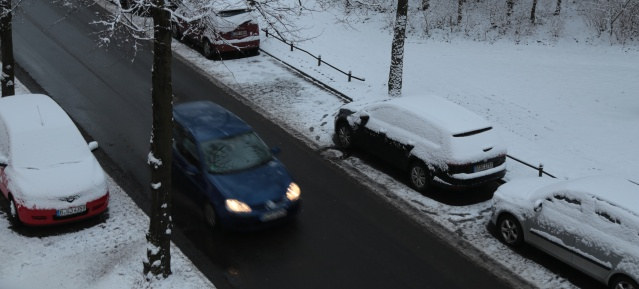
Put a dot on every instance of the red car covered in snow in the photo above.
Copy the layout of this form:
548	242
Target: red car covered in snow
47	171
217	32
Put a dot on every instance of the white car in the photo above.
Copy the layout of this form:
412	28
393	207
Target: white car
590	223
47	171
433	139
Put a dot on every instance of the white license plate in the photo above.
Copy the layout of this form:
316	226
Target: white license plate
483	167
71	211
268	216
240	33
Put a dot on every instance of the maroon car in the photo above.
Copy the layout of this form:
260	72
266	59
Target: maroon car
218	32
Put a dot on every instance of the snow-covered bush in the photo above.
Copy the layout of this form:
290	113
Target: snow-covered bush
491	20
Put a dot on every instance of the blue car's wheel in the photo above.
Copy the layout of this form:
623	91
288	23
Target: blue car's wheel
209	215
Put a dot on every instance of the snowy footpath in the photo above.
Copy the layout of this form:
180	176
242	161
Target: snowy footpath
106	253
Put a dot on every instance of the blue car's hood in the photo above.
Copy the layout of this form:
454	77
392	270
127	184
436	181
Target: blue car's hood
256	185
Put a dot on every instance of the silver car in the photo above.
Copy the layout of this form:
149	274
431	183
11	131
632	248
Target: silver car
590	223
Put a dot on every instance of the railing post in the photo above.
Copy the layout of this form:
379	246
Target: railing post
319	60
291	46
541	170
350	75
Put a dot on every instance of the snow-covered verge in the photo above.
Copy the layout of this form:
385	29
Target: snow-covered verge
106	255
569	105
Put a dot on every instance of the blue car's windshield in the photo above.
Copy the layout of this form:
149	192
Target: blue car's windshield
235	153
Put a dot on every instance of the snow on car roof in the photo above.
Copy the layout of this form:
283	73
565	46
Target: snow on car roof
224	16
28	112
41	132
446	115
616	190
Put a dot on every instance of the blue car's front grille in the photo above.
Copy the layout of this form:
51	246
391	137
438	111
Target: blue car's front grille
270	205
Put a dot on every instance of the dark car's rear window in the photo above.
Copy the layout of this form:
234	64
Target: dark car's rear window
229	13
473	132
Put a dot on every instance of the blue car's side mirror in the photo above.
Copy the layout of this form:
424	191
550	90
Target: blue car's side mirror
275	150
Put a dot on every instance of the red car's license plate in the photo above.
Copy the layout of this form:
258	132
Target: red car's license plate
71	211
239	33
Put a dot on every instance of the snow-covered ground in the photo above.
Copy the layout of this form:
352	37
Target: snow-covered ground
573	107
106	255
570	106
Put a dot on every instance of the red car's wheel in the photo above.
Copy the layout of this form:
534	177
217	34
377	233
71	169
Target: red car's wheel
207	48
13	212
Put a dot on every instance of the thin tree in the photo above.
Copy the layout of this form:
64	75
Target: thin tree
532	11
460	4
275	13
397	50
425	5
159	235
6	41
558	8
509	7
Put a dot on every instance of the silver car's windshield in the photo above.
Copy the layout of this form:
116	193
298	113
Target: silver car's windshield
235	153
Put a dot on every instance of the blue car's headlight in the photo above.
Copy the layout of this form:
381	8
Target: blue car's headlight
293	192
236	206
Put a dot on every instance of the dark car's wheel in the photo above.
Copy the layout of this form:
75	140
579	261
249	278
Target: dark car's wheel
209	215
419	176
510	231
623	282
207	48
344	135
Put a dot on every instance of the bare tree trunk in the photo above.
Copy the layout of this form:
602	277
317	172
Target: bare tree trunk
509	7
460	4
532	11
7	78
159	159
425	5
397	50
558	8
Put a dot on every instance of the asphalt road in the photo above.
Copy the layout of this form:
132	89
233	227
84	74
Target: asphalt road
345	237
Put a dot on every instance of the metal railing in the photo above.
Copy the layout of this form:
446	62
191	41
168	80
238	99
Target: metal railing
349	74
539	168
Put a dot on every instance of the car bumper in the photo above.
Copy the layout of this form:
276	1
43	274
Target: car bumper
260	219
457	182
48	217
241	46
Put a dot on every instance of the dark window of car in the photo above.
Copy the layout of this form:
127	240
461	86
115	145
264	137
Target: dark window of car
185	145
235	153
567	199
607	216
229	13
405	120
474	132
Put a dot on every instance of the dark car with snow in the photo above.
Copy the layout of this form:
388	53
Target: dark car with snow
589	223
434	140
227	29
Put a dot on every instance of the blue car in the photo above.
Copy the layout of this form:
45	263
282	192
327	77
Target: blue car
230	170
